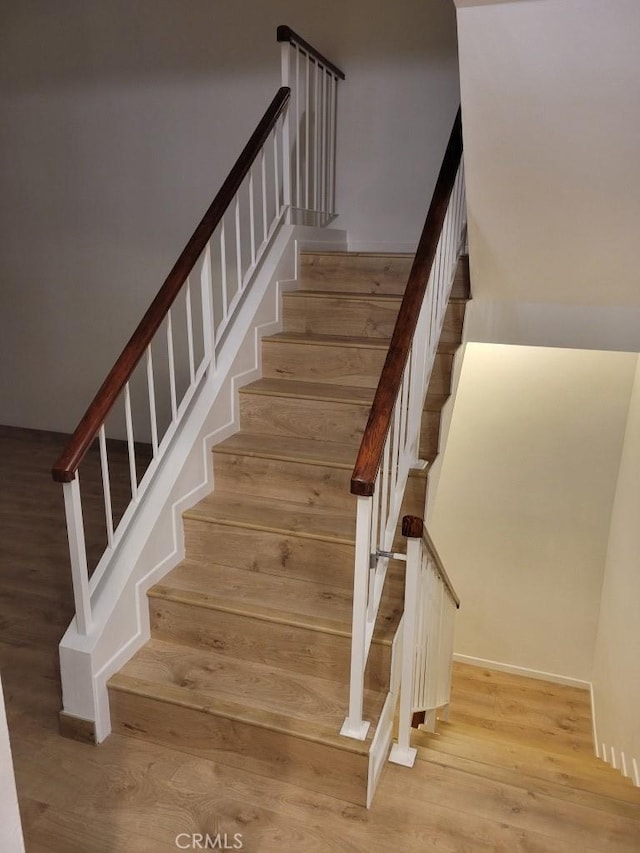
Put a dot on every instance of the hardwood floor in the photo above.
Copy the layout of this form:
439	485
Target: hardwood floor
129	796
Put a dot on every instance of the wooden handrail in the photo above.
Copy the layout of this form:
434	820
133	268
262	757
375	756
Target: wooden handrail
375	434
65	468
413	527
285	33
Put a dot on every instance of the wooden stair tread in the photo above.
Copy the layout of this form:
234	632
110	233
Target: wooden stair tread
274	598
294	449
311	391
343	253
346	296
309	707
355	341
289	448
276	516
327	392
352	296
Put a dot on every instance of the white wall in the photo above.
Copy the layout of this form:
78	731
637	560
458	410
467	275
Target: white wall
521	515
10	828
616	673
119	122
551	116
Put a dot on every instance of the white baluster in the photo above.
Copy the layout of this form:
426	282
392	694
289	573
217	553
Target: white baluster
208	323
252	219
334	143
297	135
130	443
402	752
323	140
307	153
152	403
192	361
238	244
354	726
385	498
78	555
263	175
276	175
172	368
286	135
223	271
106	484
316	133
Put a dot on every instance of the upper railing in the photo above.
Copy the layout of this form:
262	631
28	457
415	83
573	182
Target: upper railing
148	394
65	468
390	445
372	445
313	118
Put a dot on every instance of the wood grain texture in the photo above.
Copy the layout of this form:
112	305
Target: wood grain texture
516	706
275	553
309	417
350	361
472	789
264	598
357	272
355	315
304	482
276	620
266	751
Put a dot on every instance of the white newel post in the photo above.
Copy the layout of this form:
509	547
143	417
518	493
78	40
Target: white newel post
355	726
78	554
10	828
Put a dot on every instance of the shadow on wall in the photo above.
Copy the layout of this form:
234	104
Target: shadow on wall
80	43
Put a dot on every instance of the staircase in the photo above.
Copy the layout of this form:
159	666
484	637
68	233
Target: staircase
248	662
519	751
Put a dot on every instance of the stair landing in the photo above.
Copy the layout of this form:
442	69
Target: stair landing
518	751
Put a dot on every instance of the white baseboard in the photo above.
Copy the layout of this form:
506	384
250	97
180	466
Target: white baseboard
521	670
